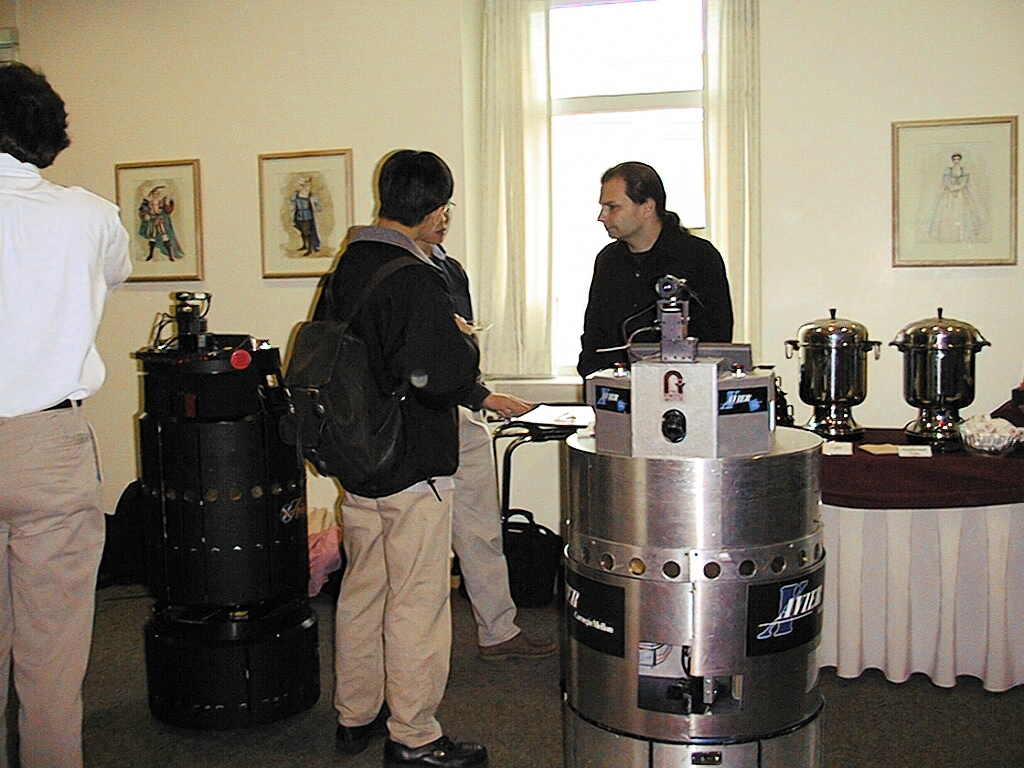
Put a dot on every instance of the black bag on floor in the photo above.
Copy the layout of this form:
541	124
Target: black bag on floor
124	549
534	556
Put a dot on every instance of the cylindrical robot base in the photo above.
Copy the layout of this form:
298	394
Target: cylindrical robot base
694	608
589	746
213	670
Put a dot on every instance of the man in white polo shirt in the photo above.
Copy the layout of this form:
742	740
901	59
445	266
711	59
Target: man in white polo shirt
62	249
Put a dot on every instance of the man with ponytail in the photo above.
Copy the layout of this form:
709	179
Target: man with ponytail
650	242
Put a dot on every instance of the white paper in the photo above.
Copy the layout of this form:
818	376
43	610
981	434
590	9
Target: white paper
558	415
915	451
835	448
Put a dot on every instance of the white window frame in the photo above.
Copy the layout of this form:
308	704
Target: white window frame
514	213
579	105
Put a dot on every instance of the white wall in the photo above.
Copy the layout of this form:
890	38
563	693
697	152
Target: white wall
226	80
834	77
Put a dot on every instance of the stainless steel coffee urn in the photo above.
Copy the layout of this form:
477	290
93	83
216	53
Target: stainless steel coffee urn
833	356
938	376
694	573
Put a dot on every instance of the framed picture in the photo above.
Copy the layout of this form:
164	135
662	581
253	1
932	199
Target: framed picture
305	210
954	192
160	208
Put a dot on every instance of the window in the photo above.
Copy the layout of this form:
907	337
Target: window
627	81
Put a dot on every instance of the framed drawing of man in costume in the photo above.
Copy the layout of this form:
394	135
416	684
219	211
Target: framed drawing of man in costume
160	208
305	210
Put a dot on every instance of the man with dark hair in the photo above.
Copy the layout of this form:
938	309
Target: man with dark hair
62	250
476	515
650	242
393	620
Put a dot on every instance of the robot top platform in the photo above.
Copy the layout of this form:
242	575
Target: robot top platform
702	407
787	440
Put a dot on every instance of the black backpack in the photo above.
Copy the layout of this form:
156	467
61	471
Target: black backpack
339	418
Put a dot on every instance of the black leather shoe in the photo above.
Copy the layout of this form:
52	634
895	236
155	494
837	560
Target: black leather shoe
352	741
443	753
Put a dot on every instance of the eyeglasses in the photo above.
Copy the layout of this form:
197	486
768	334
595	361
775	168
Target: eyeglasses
446	209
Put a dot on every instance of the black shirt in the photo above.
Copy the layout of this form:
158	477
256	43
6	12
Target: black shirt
622	293
457	281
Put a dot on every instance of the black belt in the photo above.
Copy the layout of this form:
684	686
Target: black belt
63	404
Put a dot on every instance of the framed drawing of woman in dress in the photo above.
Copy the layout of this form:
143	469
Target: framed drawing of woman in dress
955	192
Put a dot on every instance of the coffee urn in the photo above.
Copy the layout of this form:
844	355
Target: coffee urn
938	376
833	356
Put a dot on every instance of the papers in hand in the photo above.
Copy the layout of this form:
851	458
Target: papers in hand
558	415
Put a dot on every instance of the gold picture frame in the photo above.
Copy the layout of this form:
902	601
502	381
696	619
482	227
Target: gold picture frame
306	209
954	191
161	209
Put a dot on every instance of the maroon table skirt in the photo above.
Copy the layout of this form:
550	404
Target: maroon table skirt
865	481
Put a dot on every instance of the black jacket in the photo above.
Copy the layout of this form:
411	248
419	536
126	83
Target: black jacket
457	281
413	342
622	290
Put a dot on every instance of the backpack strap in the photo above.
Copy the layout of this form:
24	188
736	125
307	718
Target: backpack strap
383	272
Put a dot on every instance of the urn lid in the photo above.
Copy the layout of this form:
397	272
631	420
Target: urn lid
939	333
832	332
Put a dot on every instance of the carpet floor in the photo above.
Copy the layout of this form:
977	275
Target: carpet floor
514	707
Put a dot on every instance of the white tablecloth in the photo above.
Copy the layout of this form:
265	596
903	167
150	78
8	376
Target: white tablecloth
938	591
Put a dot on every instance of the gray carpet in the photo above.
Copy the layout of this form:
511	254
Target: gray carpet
514	707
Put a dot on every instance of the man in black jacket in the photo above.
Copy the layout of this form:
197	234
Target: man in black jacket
393	620
476	512
650	242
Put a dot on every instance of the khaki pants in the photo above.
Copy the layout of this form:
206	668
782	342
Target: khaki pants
393	629
476	533
51	542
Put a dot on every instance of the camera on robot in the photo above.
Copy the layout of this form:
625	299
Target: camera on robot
672	288
186	297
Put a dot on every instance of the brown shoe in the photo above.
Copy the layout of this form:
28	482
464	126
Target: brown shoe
519	647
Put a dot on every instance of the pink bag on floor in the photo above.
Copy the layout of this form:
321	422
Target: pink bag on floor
324	557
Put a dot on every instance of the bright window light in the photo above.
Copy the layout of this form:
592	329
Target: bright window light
636	46
627	80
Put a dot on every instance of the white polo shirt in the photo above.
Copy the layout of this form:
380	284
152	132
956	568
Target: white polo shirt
62	249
